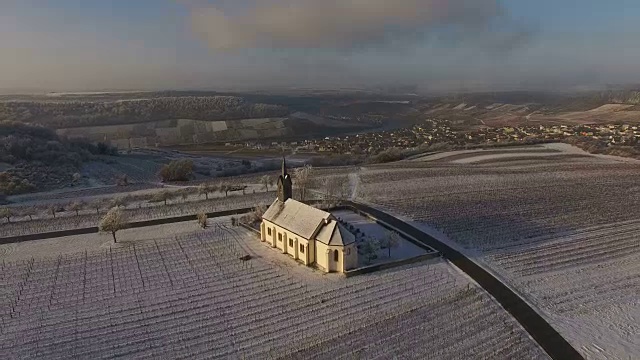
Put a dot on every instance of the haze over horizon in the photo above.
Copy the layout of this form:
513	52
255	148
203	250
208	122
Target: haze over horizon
436	45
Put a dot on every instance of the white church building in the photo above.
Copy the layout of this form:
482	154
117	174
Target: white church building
309	235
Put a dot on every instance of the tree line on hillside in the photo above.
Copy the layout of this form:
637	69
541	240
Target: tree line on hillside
23	142
67	114
38	157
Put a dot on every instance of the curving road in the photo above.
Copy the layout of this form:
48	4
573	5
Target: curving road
539	329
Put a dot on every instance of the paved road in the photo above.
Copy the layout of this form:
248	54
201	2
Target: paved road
548	338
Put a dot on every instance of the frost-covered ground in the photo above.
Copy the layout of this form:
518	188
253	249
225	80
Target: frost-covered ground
189	296
89	218
563	233
404	249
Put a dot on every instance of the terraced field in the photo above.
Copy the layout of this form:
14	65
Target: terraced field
564	233
190	297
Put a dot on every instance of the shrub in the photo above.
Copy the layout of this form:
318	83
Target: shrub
202	219
177	170
389	155
6	213
123	180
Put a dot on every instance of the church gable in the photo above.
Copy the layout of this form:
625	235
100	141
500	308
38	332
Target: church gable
334	234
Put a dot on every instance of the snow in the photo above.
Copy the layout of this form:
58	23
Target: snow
188	295
370	228
564	236
78	244
570	149
447	154
480	158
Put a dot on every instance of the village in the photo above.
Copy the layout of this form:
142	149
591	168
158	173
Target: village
437	131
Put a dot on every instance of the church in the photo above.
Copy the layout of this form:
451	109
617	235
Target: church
310	236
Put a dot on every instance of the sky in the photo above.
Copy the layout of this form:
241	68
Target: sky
436	45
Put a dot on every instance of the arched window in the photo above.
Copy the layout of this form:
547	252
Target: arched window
335	255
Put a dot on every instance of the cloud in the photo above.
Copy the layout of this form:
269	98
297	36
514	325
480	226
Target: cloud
346	24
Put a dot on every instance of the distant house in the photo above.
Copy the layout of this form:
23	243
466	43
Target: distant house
310	236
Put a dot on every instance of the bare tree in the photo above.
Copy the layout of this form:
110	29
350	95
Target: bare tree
204	189
76	206
163	196
334	188
113	222
99	204
224	188
127	199
266	181
303	178
370	249
29	211
391	241
118	202
6	213
184	195
256	214
53	209
202	219
212	188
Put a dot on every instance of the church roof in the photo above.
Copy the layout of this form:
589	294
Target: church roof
334	234
297	217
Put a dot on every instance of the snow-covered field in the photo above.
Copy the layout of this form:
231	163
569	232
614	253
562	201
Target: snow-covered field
588	282
518	153
564	234
470	154
189	296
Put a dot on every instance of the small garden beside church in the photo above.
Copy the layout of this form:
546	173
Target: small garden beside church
377	244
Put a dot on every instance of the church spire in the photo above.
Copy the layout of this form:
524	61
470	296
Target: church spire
284	166
285	186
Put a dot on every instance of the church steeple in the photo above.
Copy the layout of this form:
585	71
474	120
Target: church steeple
285	187
284	166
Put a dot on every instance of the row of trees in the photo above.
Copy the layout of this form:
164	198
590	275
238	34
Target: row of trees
76	206
115	220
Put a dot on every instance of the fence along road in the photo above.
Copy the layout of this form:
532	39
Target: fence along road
541	331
